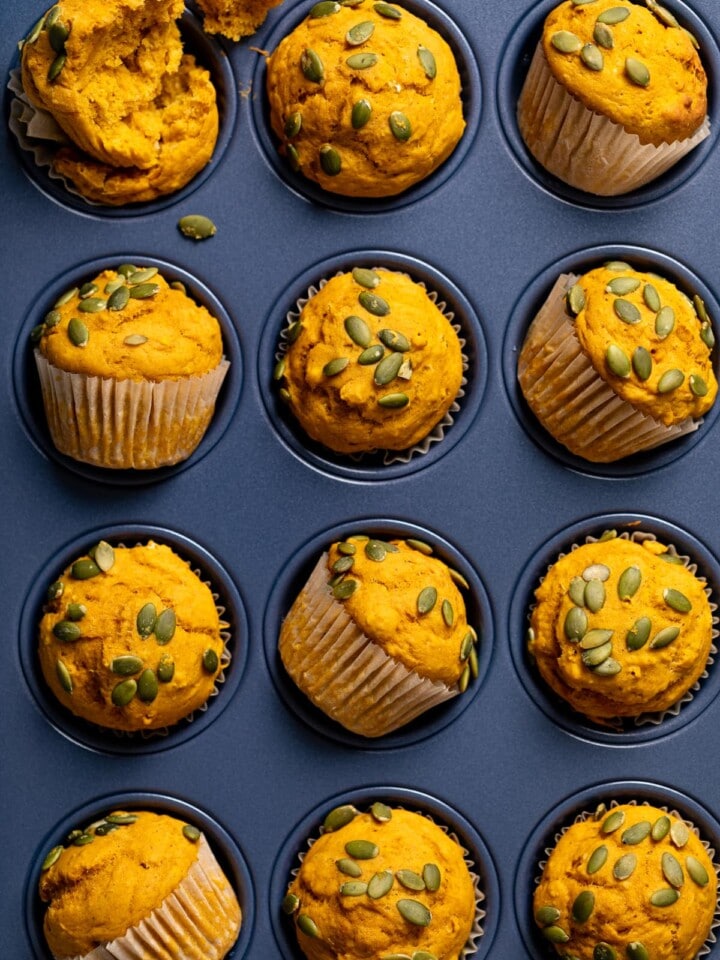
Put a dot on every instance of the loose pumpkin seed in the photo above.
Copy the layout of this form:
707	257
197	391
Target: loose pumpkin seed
56	67
637	832
381	812
676	600
347	549
576	591
448	614
330	160
66	631
145	620
210	661
380	884
592	57
596	571
427	598
388	369
374	304
400	126
312	66
165	626
622	285
660	828
432	877
664	638
63	675
546	916
638	634
345	589
354	888
603	951
362	849
637	951
104	556
324	8
196	226
595	638
427	62
651	298
664	898
629	582
410	880
307	925
387	10
165	669
627	311
612	822
360	33
665	322
555	934
576	624
625	866
642	363
143	291
596	860
594	657
696	871
697	385
290	903
92	305
565	41
637	72
361	61
614	15
670	381
336	366
123	692
394	401
414	912
679	833
84	569
672	871
595	596
617	360
361	113
52	857
126	665
339	817
147	686
78	333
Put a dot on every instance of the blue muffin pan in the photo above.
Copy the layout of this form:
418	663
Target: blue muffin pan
505	765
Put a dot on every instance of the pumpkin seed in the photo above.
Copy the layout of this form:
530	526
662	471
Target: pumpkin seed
676	600
324	8
104	556
147	686
565	41
66	632
343	564
660	828
55	590
142	276
627	311
293	332
37	333
617	266
347	549
84	569
83	840
63	675
348	867
76	611
679	833
339	817
279	369
427	62
380	884
699	305
600	811
665	322
394	400
196	227
336	366
56	67
637	951
307	925
423	955
387	10
458	578
555	934
576	591
670	381
165	669
126	269
376	550
625	866
361	113
427	598
696	871
374	304
135	340
595	595
420	546
371	356
664	898
33	35
410	880
353	888
330	160
651	298
78	333
312	66
576	624
448	614
432	877
592	57
414	912
143	291
576	299
290	903
637	832
637	72
52	16
394	340
381	812
706	335
546	916
596	571
663	14
672	871
52	857
664	638
57	35
595	638
87	290
165	626
608	668
622	285
642	363
145	620
629	582
611	823
123	692
464	681
126	665
362	849
66	297
345	589
595	656
366	278
361	61
388	369
466	646
603	36
360	33
617	360
210	661
92	305
114	285
638	634
597	859
603	951
400	126
614	15
583	906
697	385
52	319
293	123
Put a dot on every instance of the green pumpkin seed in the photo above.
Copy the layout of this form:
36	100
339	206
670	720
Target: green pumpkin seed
663	14
34	34
576	624
126	269
353	888
637	72
380	884
210	661
293	332
145	620
362	849
92	305
595	595
672	871
52	858
696	871
555	934
699	305
642	363
57	35
595	638
87	290
596	571
639	634
78	333
387	10
366	278
614	15
165	624
347	549
592	57
565	41
118	299
76	611
290	903
66	297
427	62
66	632
596	656
376	550
546	916
55	590
448	614
651	298
637	832
114	285
361	61
464	681
312	66
617	266
374	304
348	867
83	840
394	340
431	877
622	285
617	360
336	366
664	638
37	333
660	828
427	598
670	381
637	951
56	67
388	369
196	226
625	866
458	578
147	686
629	582
420	546
104	556
339	817
330	160
123	692
423	955
126	665
142	276
293	124
343	564
679	833
165	669
466	646
665	322
381	812
279	369
706	335
583	906
627	311
63	675
612	822
603	951
345	589
324	8
676	600
361	113
307	926
608	668
400	126
394	401
84	569
576	299
414	912
664	898
360	33
143	291
697	385
135	340
52	319
597	859
576	591
371	356
410	880
600	811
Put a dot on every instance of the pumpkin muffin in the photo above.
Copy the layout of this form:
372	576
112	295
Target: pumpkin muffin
142	121
131	638
632	882
618	361
379	634
235	19
385	883
130	368
364	98
141	884
621	628
615	96
371	363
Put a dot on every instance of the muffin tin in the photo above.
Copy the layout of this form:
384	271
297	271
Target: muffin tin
504	765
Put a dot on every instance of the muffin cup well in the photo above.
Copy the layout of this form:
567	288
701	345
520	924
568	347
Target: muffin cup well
572	402
583	148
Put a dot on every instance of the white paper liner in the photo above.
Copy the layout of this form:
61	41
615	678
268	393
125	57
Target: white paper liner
127	423
199	920
477	931
584	148
572	401
590	815
369	692
438	431
644	719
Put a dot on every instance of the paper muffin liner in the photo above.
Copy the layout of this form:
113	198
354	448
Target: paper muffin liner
645	719
572	401
584	815
584	148
343	672
438	432
199	920
476	932
126	424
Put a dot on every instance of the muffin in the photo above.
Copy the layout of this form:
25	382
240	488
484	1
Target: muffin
616	94
140	124
131	638
618	361
364	98
130	368
633	882
371	363
621	628
379	634
380	884
235	19
141	884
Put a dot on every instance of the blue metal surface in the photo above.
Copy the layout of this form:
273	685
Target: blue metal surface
503	764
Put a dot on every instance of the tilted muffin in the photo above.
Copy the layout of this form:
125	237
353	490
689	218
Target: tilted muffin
365	98
142	121
633	882
235	19
621	628
615	96
141	884
130	638
130	369
371	363
385	883
618	361
379	634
